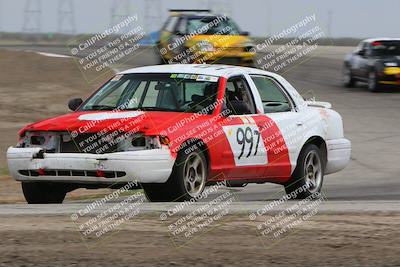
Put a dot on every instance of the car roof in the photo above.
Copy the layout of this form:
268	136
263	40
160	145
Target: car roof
370	40
202	69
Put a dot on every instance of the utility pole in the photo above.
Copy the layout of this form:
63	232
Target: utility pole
66	17
32	16
152	18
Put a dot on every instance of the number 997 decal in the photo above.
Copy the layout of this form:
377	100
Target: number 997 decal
246	144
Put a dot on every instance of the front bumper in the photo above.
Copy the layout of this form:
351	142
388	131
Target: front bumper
338	154
390	76
145	166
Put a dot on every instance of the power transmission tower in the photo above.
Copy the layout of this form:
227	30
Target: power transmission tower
66	17
268	17
222	7
32	16
119	11
329	24
152	15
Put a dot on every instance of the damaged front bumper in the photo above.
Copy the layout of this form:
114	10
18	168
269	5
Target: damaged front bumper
143	166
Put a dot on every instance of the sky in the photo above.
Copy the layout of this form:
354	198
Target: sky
348	18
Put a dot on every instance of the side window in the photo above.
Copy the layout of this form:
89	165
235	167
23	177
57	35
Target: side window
272	96
360	46
238	97
181	26
170	25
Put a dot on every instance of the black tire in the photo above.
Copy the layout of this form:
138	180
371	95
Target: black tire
43	193
176	188
301	185
373	84
160	58
348	79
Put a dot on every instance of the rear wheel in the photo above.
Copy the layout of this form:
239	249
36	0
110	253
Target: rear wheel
308	176
188	179
43	193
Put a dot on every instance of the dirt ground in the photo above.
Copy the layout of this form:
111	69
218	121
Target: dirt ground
326	240
34	87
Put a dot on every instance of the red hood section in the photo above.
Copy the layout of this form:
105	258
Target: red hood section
151	122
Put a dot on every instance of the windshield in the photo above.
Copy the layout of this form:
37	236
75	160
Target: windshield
212	25
385	48
159	92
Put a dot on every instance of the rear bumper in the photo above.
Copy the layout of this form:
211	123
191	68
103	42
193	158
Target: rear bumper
338	155
146	166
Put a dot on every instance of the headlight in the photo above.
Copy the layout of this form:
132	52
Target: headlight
205	46
139	142
46	140
390	64
249	47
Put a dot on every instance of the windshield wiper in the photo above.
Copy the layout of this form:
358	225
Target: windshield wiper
102	107
158	109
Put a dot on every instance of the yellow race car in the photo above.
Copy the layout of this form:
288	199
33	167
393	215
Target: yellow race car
197	36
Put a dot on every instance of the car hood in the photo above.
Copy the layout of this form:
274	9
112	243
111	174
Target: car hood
221	40
150	122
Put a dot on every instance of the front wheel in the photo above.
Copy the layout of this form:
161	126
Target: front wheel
348	79
373	84
43	193
187	180
308	176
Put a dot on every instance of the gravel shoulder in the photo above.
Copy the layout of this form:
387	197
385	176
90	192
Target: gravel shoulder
325	240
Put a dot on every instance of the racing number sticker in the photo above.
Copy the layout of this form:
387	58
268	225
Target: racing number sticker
246	144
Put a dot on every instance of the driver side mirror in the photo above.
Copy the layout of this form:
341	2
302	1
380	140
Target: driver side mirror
74	104
245	33
238	107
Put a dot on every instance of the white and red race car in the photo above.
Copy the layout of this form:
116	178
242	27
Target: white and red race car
175	129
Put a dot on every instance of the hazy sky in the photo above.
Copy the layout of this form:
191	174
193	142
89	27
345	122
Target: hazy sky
349	18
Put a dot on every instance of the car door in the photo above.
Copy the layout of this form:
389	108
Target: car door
243	153
359	60
286	126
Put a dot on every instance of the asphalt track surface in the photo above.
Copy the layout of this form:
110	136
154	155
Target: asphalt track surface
371	120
